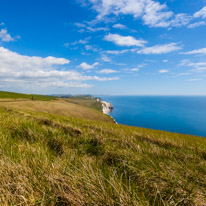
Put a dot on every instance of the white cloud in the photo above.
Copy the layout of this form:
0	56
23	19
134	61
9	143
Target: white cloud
105	78
105	58
197	24
2	24
197	66
117	52
201	13
151	12
124	40
91	48
196	51
183	74
187	62
12	60
5	36
81	41
86	28
86	66
119	26
162	71
192	80
134	69
180	20
66	45
160	49
107	71
165	60
33	71
66	85
155	16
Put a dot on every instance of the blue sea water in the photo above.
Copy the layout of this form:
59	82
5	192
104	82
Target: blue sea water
181	114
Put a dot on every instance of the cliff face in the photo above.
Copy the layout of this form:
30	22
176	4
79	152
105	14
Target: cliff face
107	107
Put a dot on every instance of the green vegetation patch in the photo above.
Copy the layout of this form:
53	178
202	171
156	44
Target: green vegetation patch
12	95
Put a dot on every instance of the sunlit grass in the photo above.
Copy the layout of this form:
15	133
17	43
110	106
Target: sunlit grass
47	159
12	95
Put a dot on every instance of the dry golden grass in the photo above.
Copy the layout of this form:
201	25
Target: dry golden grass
48	159
57	153
87	102
57	106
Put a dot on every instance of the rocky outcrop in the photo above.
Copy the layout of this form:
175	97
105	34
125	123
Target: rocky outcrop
107	107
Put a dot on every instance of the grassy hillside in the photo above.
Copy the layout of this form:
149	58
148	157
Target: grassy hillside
48	159
79	107
58	106
85	101
12	95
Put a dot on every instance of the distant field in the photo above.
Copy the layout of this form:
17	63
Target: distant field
12	95
60	107
79	107
87	102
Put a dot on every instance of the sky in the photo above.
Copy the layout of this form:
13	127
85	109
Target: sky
103	47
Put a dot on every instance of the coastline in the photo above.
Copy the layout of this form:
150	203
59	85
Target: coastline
107	107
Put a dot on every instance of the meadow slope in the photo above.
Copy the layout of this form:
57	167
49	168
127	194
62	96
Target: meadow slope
50	159
18	96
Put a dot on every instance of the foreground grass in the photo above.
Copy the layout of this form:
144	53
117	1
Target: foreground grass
47	159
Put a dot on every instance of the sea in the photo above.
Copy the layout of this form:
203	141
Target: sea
180	114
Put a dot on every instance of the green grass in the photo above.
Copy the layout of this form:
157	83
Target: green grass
12	95
48	159
85	101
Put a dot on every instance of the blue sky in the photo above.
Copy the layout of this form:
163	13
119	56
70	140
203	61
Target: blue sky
124	47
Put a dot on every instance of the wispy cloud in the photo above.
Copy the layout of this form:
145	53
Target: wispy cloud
107	71
193	80
197	24
162	71
160	49
105	58
124	40
135	69
119	26
197	66
5	36
201	13
183	74
80	41
180	20
201	51
92	48
117	52
86	66
86	28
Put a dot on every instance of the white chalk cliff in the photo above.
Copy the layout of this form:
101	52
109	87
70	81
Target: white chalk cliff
106	107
